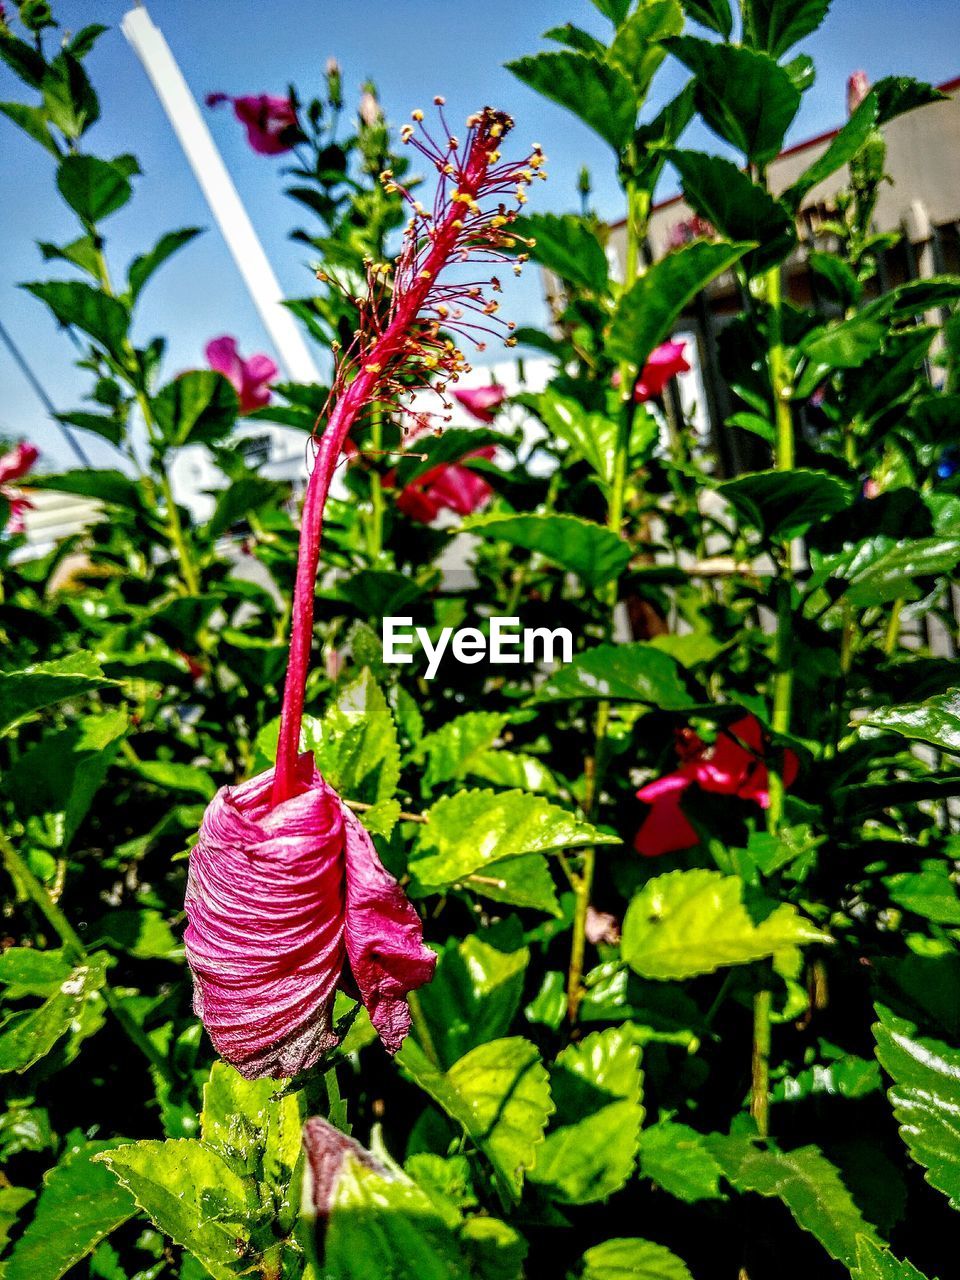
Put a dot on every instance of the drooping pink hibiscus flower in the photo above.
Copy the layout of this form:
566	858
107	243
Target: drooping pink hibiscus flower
281	899
251	378
14	465
732	766
287	899
482	402
271	122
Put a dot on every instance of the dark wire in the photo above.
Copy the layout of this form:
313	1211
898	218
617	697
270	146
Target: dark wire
21	363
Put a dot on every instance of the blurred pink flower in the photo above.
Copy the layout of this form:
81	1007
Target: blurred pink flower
601	926
733	766
665	363
449	486
686	230
287	903
270	122
251	378
858	86
14	465
482	402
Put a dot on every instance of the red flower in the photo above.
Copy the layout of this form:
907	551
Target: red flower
14	465
664	363
281	898
271	122
251	378
733	766
448	486
482	402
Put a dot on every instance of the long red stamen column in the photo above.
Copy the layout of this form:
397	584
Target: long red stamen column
461	228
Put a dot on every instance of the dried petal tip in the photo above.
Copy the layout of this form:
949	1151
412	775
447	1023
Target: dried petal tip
280	899
327	1150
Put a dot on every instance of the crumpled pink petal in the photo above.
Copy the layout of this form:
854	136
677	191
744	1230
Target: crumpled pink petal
663	364
665	829
278	897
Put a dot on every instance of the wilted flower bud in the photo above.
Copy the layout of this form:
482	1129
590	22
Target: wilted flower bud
334	84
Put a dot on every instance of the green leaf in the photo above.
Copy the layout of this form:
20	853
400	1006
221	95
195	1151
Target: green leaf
888	98
783	504
677	1158
79	1205
106	486
936	721
930	893
24	971
743	95
241	497
737	207
685	923
646	313
522	882
32	120
199	407
258	1122
475	991
593	436
567	246
139	932
777	25
576	38
169	775
105	319
631	1259
880	570
192	1195
30	1034
499	1093
357	751
845	345
514	770
875	1263
68	96
715	14
473	830
46	683
615	10
379	1223
807	1183
143	267
108	426
22	59
926	1098
651	141
596	92
93	188
592	551
636	672
12	1200
636	48
56	780
839	277
596	1086
451	749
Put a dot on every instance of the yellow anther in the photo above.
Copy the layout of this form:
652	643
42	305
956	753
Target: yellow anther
439	101
372	368
416	115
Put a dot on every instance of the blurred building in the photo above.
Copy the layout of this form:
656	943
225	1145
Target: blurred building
922	202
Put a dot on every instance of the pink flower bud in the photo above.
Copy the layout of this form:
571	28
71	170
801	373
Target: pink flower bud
858	86
280	898
665	363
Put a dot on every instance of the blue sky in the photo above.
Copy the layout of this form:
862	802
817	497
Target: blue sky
412	49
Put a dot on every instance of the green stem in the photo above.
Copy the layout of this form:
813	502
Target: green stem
892	634
760	1093
638	212
22	876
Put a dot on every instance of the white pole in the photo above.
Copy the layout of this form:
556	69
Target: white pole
217	185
